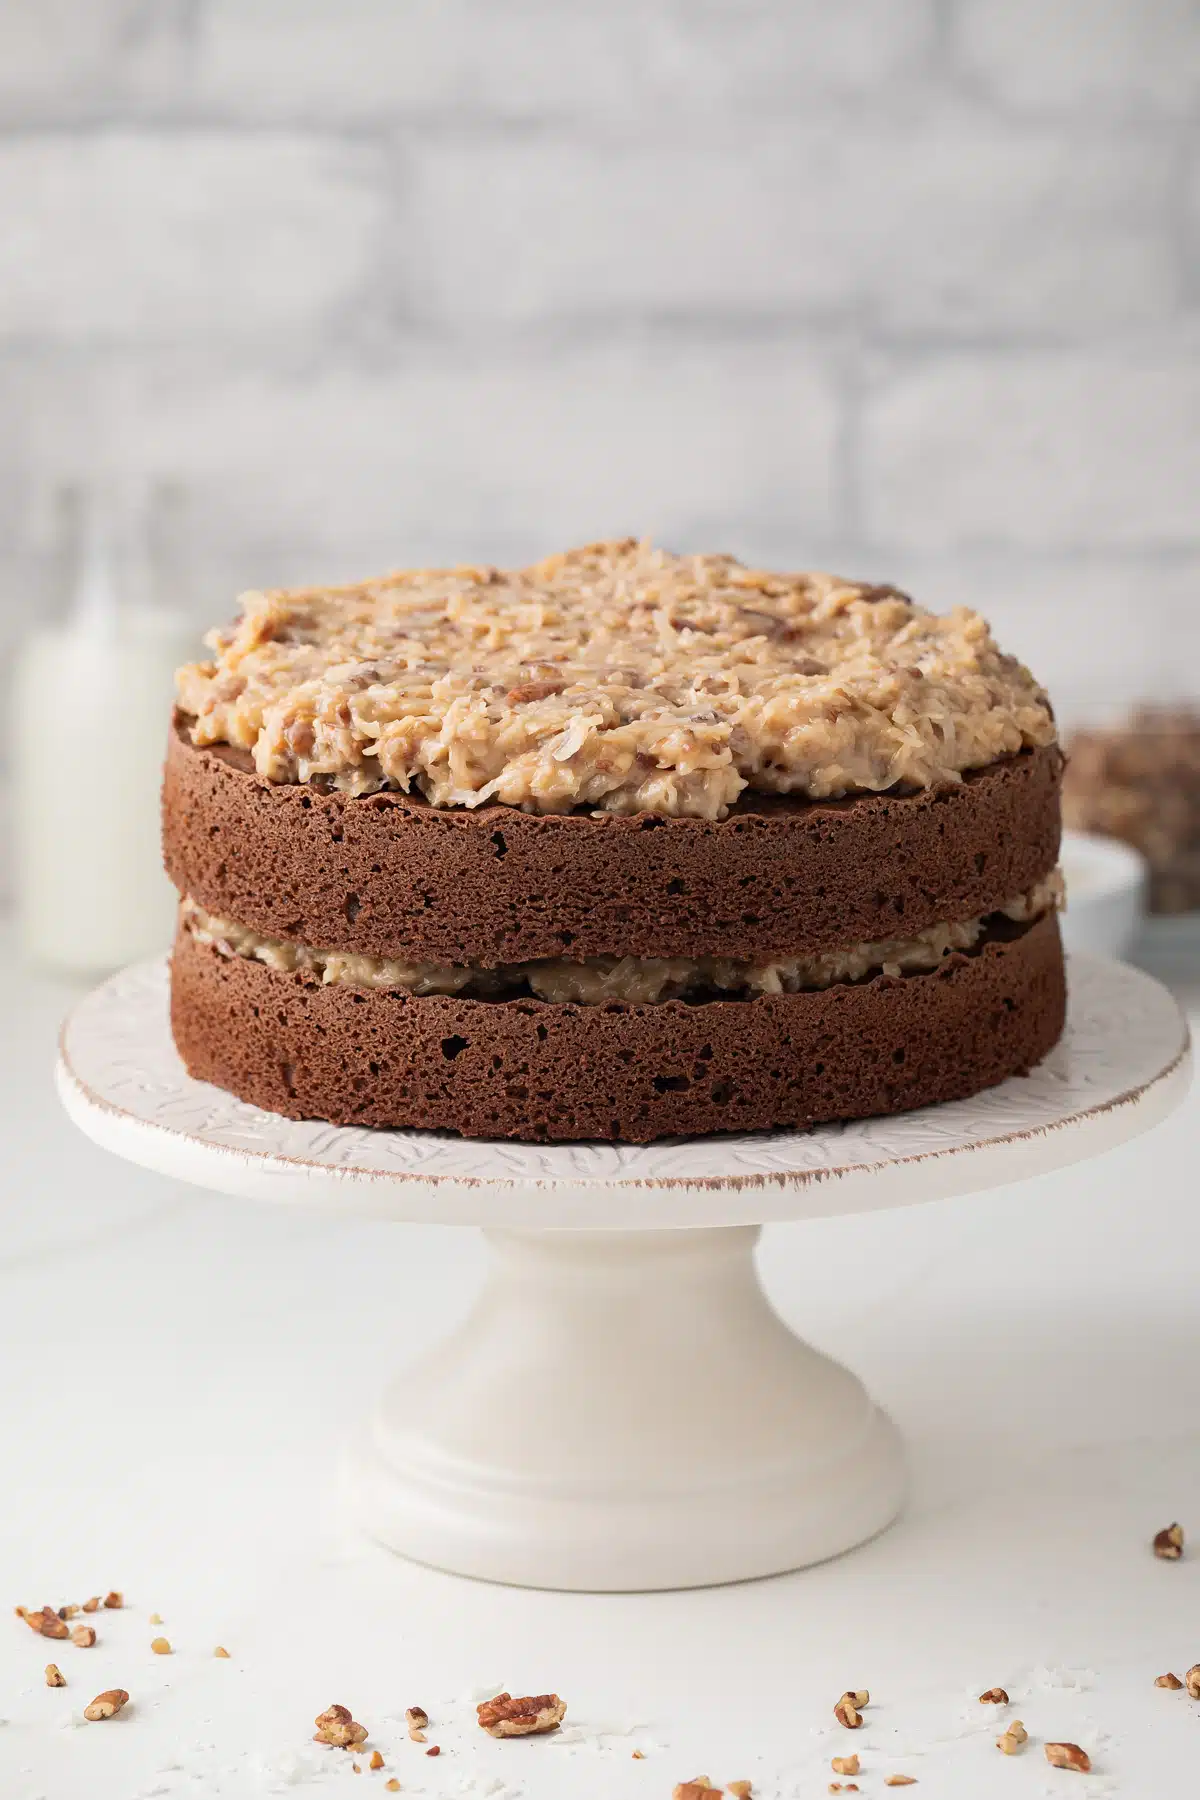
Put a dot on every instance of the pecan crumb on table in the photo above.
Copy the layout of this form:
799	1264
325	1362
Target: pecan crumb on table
533	1713
107	1705
1168	1543
46	1621
1014	1739
336	1726
1068	1756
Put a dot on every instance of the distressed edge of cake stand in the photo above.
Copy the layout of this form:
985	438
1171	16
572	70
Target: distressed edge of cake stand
622	1409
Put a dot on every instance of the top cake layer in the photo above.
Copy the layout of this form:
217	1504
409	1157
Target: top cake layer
615	677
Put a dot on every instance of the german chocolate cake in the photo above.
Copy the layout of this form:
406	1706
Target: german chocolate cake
622	845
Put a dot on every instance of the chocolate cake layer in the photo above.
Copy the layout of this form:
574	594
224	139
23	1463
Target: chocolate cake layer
534	1070
388	875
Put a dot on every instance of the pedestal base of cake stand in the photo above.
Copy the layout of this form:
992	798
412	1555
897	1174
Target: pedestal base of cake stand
622	1408
625	1410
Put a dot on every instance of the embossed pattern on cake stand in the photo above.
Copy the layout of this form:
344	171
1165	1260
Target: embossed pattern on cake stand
622	1409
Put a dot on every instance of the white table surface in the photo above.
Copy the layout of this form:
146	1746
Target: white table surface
180	1371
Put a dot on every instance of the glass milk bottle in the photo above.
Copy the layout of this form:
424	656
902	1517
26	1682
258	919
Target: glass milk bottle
90	705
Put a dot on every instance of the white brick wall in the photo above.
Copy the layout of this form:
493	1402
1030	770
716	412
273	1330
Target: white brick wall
77	58
917	218
1132	58
132	235
435	458
1045	450
906	286
562	59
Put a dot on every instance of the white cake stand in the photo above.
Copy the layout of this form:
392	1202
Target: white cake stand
622	1409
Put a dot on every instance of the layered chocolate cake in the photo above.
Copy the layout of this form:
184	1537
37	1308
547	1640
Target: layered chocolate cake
621	845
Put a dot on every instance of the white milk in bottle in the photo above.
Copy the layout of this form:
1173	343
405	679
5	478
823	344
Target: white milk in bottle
90	708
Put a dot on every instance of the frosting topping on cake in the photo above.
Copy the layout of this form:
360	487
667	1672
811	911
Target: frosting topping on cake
616	677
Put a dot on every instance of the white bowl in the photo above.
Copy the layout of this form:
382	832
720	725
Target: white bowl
1106	887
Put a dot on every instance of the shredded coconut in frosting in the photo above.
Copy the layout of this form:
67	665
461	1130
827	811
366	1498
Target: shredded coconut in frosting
616	677
637	981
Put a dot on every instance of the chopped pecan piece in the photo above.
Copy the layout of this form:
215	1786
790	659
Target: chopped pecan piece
1191	1681
392	1786
416	1718
534	690
113	1600
376	1760
695	1789
107	1704
336	1726
1068	1756
741	1790
434	1750
845	1765
300	736
55	1676
84	1636
993	1697
161	1646
92	1605
1014	1739
882	590
1168	1681
899	1781
221	1651
506	1717
1168	1543
47	1622
847	1714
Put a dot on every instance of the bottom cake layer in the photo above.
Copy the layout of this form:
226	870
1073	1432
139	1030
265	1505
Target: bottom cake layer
532	1069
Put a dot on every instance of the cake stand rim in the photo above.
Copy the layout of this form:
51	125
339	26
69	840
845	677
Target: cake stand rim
580	1201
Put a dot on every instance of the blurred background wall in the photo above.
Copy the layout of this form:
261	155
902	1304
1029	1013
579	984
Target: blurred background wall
909	288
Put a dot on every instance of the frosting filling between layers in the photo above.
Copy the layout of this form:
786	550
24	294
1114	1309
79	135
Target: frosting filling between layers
637	981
